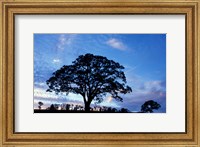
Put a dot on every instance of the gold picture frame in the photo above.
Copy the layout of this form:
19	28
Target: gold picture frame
189	8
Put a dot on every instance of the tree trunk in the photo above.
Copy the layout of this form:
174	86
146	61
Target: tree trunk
87	107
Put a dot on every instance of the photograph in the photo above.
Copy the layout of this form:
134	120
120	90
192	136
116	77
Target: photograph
99	73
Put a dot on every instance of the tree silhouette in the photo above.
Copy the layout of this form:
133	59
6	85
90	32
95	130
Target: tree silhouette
52	107
148	106
124	110
114	110
67	107
56	106
40	105
92	77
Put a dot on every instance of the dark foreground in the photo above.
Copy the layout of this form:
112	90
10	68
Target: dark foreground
72	111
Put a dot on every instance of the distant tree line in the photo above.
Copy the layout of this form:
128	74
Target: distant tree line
72	107
147	107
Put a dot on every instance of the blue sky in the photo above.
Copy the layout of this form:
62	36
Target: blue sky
142	55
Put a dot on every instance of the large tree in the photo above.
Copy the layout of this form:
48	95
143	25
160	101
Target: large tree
92	77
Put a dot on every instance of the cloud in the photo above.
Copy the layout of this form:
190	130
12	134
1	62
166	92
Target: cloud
134	102
109	99
56	61
130	69
117	44
67	45
42	94
42	85
153	86
43	69
151	90
65	40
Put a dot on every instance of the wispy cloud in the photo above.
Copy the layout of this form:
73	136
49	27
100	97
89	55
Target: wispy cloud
40	85
117	44
41	92
65	40
153	86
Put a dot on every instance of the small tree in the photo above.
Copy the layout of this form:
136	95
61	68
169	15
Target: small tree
109	109
68	107
114	110
148	106
52	107
92	77
40	105
124	110
56	106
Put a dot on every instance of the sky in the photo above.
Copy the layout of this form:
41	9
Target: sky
142	55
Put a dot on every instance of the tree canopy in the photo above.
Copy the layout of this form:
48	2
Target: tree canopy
148	106
40	105
92	77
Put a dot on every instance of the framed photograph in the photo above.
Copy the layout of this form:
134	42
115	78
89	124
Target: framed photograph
99	73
